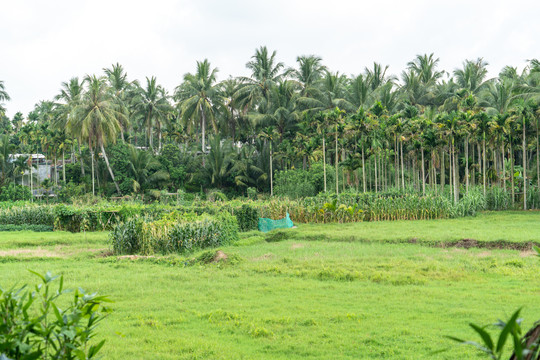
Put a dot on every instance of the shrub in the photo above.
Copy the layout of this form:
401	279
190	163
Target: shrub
14	192
174	234
34	326
27	215
126	238
30	227
247	217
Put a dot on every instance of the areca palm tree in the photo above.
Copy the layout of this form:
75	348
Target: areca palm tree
96	120
198	98
152	105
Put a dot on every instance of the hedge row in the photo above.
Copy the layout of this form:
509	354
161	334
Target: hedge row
75	219
36	228
177	234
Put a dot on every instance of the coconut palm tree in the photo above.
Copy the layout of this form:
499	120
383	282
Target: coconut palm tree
118	81
96	120
144	169
265	73
309	71
198	97
3	96
151	104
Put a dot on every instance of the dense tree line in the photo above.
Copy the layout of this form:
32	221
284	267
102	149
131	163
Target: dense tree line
426	129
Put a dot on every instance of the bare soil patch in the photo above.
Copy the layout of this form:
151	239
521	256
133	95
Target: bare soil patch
38	252
297	246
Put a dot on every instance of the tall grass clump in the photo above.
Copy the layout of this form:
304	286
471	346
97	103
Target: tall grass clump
174	234
27	215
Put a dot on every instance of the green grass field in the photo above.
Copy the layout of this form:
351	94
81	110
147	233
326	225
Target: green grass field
335	291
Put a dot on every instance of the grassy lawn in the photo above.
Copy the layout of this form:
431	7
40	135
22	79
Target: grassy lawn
300	297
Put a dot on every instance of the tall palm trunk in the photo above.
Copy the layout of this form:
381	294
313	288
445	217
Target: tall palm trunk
363	169
271	172
524	146
402	167
337	159
324	161
504	167
63	166
467	164
109	168
511	155
376	178
92	160
423	174
443	180
484	159
456	173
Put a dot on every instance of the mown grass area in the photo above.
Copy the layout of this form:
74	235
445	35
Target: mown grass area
297	297
508	226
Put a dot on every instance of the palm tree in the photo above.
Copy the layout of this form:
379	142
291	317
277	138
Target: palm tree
117	79
198	97
142	167
219	163
335	118
309	71
248	174
265	73
268	134
152	105
70	95
96	120
3	96
521	114
472	76
425	68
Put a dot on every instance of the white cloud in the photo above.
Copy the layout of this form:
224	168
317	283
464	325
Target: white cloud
45	43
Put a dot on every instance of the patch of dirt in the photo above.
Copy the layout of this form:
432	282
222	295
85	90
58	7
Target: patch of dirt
484	254
297	246
466	243
220	256
264	257
134	257
30	253
528	253
500	244
103	253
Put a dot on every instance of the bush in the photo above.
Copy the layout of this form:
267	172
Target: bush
27	215
35	327
14	192
126	237
247	217
36	228
175	234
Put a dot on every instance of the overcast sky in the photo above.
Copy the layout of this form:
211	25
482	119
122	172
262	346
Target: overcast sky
43	43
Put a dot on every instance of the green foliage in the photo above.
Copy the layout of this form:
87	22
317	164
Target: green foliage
247	217
28	215
38	323
126	237
14	192
26	227
511	330
300	183
69	191
177	233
